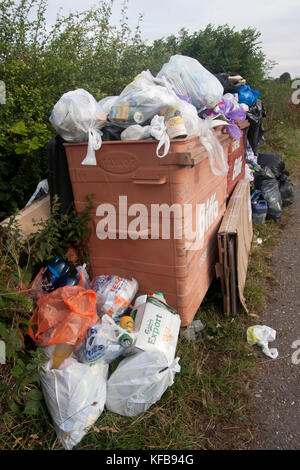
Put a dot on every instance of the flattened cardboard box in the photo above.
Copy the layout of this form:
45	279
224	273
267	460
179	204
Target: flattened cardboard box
234	244
38	211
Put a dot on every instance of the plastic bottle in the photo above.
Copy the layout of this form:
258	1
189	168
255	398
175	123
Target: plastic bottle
61	352
54	270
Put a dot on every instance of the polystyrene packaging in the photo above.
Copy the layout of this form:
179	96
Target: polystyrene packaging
75	395
139	381
114	294
189	78
77	117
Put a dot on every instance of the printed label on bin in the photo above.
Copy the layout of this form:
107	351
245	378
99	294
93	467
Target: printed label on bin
119	162
238	165
236	145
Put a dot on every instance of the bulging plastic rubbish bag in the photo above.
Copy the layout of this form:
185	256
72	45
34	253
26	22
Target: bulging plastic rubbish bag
77	117
75	395
140	381
189	78
107	102
141	100
102	342
247	95
261	335
64	315
114	294
265	181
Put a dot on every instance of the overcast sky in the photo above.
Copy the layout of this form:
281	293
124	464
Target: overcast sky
277	20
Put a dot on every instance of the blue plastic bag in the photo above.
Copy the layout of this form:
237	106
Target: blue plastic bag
247	95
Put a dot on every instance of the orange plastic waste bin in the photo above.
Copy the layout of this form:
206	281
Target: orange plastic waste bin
153	208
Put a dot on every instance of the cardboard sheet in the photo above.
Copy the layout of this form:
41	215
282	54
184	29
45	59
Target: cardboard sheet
234	243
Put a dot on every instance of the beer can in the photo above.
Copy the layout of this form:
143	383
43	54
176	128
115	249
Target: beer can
125	340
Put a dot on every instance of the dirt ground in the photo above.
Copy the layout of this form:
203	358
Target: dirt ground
276	389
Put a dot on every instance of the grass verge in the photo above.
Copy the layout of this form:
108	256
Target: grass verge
209	406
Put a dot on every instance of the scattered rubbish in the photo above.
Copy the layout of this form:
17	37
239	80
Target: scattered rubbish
114	294
259	241
140	381
75	395
64	315
262	335
194	331
158	327
259	211
103	341
58	273
42	189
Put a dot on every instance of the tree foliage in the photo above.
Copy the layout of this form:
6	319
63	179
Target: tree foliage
39	63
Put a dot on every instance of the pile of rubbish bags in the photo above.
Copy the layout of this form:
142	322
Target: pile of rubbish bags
270	183
184	99
83	328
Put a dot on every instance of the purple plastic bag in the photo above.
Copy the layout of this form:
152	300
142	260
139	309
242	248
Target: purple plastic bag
227	108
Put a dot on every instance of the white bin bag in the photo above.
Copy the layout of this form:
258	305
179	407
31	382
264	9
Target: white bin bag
75	395
77	117
140	381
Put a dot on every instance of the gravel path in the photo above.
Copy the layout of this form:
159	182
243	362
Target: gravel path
277	385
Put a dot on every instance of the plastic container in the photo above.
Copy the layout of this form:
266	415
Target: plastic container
259	211
180	268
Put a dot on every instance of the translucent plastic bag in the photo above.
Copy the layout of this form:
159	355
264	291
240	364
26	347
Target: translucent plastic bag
140	381
261	335
64	315
102	342
77	117
189	78
156	129
217	159
107	102
114	294
141	100
75	395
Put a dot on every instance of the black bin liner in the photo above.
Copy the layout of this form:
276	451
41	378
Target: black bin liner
266	182
273	160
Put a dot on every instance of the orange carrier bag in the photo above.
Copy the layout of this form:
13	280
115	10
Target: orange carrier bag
64	315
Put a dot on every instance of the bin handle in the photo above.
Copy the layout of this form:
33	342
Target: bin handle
158	180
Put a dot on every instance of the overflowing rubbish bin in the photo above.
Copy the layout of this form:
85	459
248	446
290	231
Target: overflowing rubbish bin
168	194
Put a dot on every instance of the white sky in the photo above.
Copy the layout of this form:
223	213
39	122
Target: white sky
277	20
